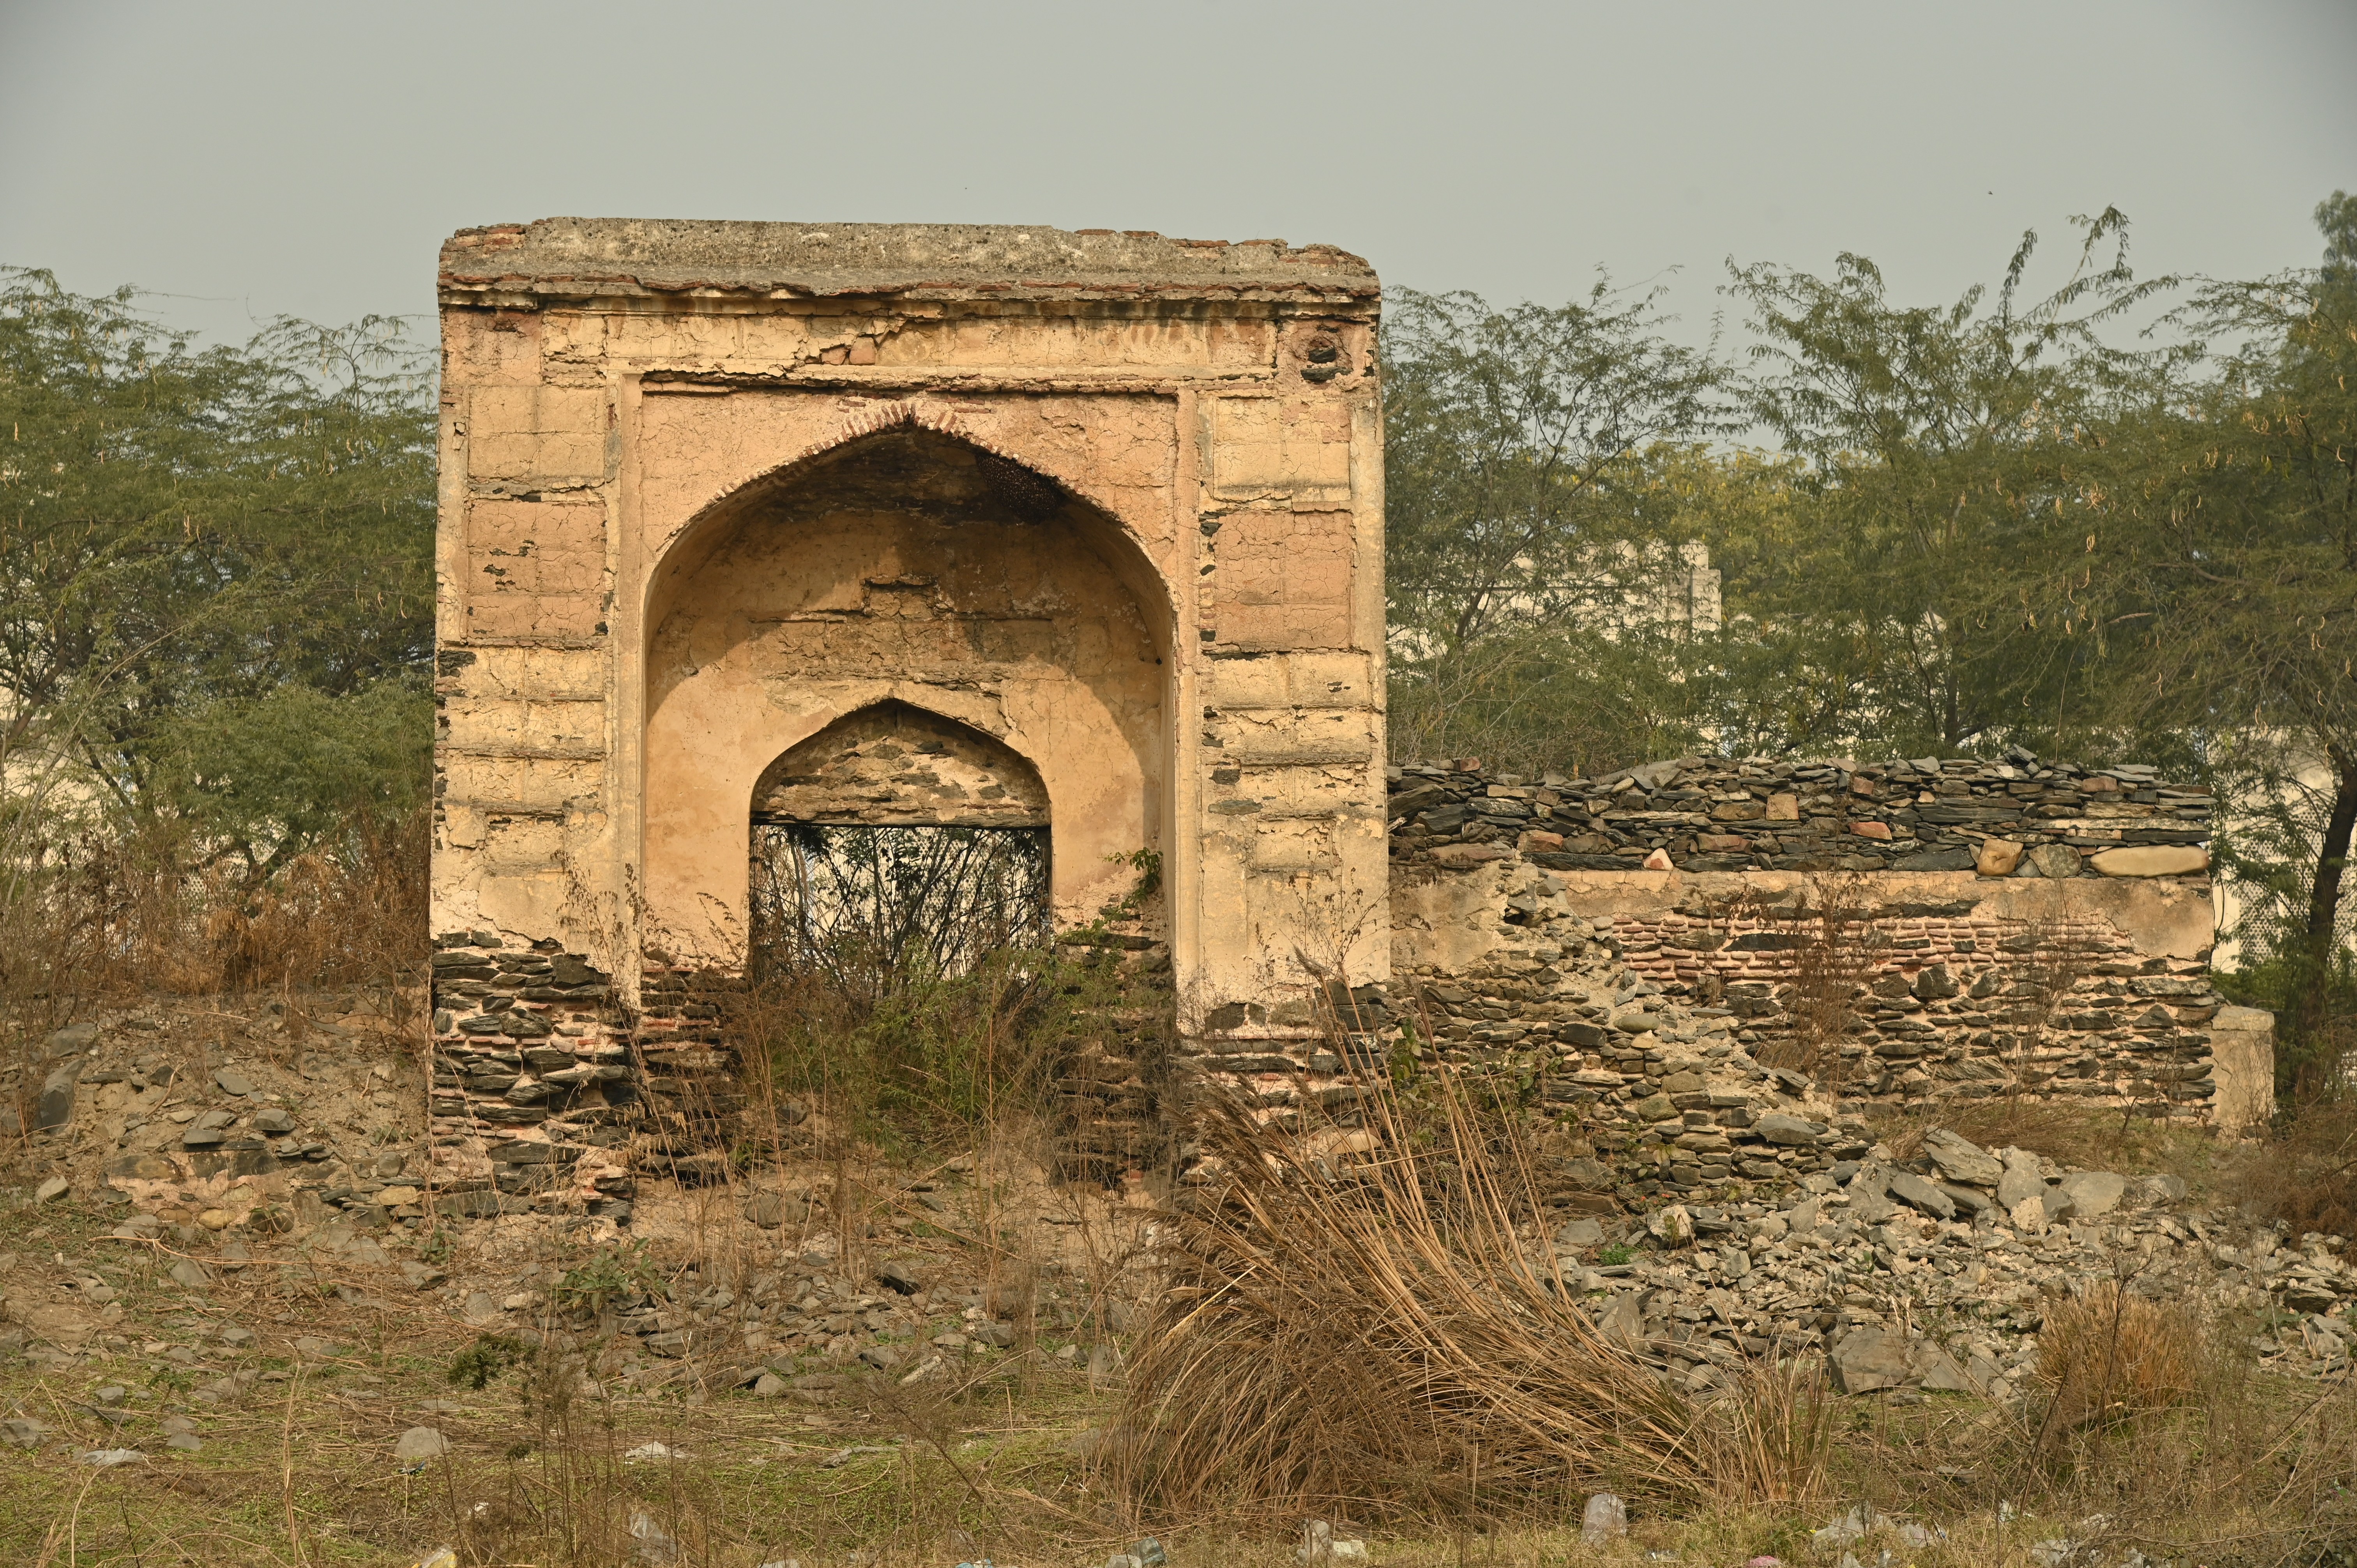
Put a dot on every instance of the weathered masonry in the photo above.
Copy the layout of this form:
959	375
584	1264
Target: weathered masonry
999	557
1909	932
751	530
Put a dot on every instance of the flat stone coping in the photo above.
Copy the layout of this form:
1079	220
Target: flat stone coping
588	256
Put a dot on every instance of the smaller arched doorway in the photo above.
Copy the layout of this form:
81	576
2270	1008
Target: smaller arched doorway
896	845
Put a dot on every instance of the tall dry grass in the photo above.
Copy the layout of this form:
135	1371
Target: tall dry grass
1366	1322
2106	1355
95	921
103	916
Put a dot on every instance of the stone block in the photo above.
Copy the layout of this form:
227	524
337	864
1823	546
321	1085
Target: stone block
54	1107
1996	857
522	432
534	568
1918	1194
2093	1193
1869	1360
2242	1048
2151	860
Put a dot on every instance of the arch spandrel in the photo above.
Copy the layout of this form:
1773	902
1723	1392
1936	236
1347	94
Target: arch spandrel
708	458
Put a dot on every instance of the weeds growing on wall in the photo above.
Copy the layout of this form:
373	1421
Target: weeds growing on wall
904	982
1831	944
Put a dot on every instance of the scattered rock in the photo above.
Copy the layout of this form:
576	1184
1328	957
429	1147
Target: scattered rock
1916	1193
770	1211
1671	1227
1867	1359
21	1433
2021	1179
233	1081
898	1276
107	1458
841	1457
646	1451
1577	1235
650	1542
418	1446
54	1107
50	1191
1962	1160
2092	1193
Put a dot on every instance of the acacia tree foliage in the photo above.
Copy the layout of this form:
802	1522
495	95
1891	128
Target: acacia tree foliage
216	581
1948	456
1511	436
2230	546
1521	573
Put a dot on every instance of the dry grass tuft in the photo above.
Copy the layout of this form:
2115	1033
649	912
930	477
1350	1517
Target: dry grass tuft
2105	1355
1776	1441
1384	1334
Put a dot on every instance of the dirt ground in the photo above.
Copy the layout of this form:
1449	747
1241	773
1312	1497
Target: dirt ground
866	1361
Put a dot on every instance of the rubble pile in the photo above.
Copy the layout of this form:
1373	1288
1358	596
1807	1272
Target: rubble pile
1935	1272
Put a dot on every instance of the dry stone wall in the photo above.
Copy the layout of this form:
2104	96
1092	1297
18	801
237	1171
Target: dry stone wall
532	1070
1909	935
2015	817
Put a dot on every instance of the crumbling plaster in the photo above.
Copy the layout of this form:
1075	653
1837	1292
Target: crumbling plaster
1448	921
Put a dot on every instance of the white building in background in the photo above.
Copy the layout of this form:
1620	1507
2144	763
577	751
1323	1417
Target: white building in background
2310	774
1617	586
1667	584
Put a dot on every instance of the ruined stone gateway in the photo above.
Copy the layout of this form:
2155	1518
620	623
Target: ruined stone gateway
984	564
750	529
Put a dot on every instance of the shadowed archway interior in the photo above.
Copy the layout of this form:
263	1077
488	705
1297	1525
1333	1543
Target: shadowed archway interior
896	846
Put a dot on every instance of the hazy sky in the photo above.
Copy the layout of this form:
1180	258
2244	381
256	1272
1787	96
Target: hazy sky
309	158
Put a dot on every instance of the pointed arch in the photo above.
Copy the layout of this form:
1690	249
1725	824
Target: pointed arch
903	571
1125	552
895	763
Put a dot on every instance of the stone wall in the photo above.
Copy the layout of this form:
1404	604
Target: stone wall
532	1068
1896	935
2015	817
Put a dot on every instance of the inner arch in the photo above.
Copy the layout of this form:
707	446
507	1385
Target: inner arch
895	765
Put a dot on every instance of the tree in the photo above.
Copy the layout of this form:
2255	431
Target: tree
2235	551
212	561
1524	584
1944	453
